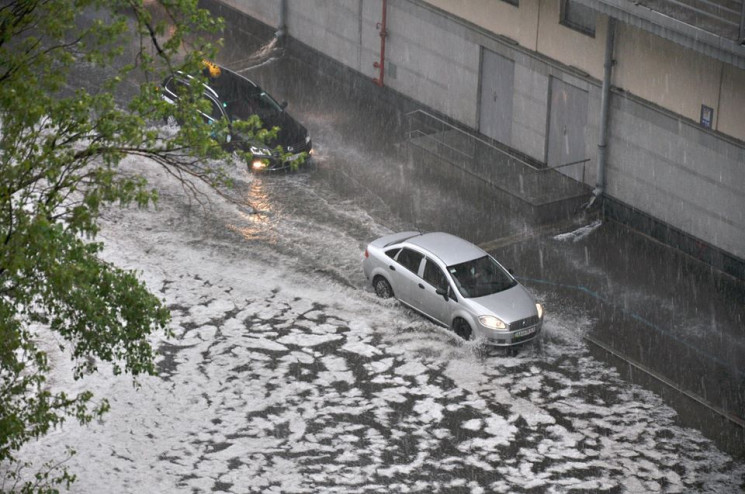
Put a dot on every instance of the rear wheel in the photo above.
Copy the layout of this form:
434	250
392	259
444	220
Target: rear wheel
462	329
382	287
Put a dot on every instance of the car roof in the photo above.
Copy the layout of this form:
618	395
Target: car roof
231	84
227	83
448	248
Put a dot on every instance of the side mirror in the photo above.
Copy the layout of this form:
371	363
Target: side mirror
283	105
443	292
511	271
446	293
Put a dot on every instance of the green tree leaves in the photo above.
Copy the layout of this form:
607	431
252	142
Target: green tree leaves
60	149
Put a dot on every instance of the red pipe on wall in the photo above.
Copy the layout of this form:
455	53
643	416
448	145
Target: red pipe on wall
383	33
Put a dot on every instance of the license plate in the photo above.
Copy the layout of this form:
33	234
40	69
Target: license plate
294	157
523	332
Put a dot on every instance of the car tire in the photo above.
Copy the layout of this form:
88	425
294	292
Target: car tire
462	329
382	287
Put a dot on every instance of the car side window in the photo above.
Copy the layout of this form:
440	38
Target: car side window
177	86
410	260
434	275
392	252
215	111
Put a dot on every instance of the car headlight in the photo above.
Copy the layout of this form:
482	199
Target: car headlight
492	322
539	308
259	164
307	139
260	151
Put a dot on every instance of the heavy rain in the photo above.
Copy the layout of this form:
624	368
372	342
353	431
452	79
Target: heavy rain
287	374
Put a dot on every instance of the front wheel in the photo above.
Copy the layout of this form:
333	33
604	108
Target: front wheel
462	329
382	287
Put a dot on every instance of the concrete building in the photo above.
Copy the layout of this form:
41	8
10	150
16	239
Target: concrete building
642	101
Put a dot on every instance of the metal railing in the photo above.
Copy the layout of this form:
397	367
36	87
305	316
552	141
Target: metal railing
445	136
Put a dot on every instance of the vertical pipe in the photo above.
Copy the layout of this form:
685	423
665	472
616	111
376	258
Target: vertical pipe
605	108
383	33
282	25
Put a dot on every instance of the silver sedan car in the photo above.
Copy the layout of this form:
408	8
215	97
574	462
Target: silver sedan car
454	283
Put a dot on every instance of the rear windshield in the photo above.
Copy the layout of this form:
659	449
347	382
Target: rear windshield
480	277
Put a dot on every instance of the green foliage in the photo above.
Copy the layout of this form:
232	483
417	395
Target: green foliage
61	144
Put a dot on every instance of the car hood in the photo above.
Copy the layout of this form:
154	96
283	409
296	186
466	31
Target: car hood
509	305
291	132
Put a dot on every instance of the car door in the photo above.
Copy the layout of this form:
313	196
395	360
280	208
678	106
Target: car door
427	299
404	274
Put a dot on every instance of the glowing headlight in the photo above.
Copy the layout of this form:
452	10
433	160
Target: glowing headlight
492	322
260	151
539	308
259	164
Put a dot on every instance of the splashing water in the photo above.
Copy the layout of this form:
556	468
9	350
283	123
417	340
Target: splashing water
264	54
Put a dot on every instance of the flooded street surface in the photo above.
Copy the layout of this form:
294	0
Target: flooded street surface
286	374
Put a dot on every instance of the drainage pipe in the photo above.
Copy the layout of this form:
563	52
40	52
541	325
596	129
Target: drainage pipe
383	34
605	109
282	25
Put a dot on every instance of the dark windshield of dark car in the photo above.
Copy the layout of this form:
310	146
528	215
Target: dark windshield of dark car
243	98
480	277
260	104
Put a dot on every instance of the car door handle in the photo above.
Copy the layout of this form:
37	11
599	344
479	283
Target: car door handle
392	268
421	286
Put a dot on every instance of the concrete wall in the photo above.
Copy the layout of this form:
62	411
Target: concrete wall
435	61
658	70
568	46
519	24
729	110
661	163
672	170
267	11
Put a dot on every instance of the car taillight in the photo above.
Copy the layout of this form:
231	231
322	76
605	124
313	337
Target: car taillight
366	254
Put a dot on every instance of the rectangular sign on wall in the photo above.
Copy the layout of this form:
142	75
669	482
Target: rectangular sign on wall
707	116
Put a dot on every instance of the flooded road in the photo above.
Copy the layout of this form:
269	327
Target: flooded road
287	374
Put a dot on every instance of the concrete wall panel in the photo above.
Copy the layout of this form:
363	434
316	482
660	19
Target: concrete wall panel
529	112
570	47
267	11
519	24
728	115
679	175
436	66
667	74
309	21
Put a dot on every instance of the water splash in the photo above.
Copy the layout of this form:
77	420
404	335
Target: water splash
266	53
580	233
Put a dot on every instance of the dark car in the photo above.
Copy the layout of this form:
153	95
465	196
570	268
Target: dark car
234	97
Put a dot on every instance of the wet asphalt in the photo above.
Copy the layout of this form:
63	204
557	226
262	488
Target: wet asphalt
665	320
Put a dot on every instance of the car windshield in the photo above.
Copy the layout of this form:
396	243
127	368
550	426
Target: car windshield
260	103
480	277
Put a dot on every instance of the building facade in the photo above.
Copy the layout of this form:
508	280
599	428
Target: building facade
665	145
